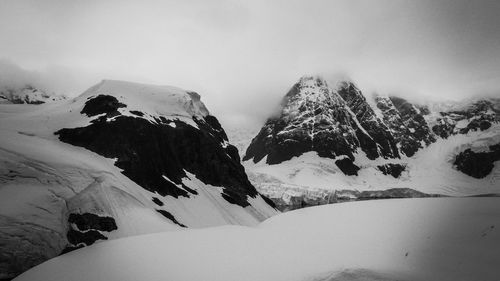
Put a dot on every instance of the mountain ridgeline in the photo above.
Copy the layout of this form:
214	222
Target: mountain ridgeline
341	124
121	159
27	94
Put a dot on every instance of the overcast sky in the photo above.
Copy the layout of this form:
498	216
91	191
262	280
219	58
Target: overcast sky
242	56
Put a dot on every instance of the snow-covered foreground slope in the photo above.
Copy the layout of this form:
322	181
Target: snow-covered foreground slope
400	239
122	159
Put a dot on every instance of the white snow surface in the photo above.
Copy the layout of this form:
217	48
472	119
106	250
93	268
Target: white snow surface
399	239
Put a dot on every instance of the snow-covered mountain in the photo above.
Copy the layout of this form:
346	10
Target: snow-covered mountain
445	239
121	159
327	139
27	94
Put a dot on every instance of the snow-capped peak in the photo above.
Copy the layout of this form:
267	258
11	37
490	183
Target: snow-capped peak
27	94
153	100
310	93
314	117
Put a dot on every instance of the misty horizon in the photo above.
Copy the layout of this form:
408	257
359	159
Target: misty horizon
243	57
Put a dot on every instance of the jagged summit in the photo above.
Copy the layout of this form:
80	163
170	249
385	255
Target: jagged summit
342	123
315	117
328	139
307	110
309	91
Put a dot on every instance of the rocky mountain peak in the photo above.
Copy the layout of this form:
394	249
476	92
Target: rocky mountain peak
28	94
405	123
310	91
340	123
315	117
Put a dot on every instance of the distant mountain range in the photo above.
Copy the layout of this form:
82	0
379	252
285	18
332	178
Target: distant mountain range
334	138
27	95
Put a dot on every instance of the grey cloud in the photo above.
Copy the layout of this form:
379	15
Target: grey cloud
242	56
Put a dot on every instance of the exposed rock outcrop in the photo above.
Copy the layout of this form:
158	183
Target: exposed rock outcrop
477	164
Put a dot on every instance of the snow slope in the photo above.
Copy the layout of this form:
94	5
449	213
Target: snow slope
43	181
401	239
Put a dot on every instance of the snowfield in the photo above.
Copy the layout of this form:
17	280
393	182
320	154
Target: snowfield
399	239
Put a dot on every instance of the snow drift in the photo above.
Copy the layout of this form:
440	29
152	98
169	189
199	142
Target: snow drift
401	239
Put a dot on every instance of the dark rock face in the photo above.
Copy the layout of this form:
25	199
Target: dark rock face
385	143
476	125
170	217
85	229
86	238
478	116
405	123
477	164
89	221
394	170
414	120
157	201
102	104
315	118
148	152
444	127
138	113
347	167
